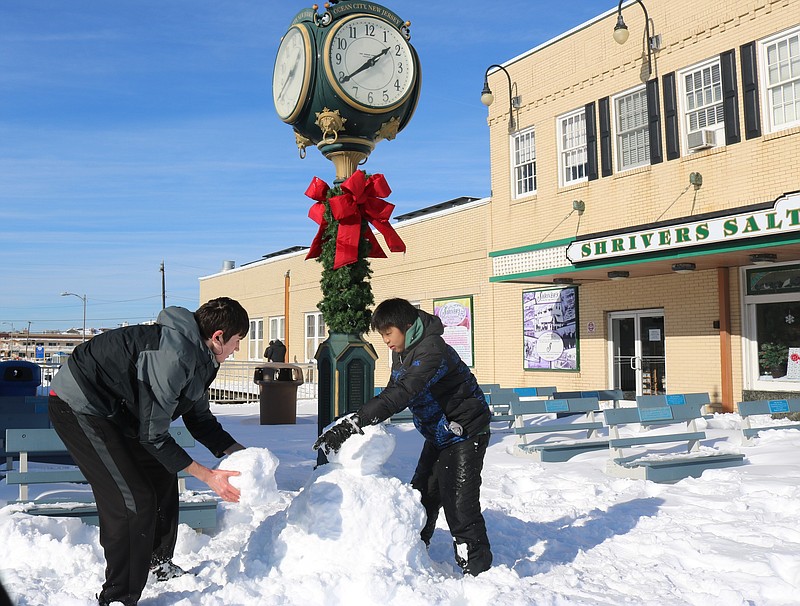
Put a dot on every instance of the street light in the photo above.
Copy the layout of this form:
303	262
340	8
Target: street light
82	298
621	34
487	98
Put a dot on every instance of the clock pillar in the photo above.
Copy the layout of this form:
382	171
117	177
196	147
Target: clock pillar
347	80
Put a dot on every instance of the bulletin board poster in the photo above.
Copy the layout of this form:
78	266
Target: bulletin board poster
550	324
456	315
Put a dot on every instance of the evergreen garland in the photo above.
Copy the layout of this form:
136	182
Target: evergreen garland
346	292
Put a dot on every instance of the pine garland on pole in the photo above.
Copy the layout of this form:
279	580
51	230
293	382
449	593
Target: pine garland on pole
346	291
343	243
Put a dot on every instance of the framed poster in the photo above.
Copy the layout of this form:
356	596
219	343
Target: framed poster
456	315
550	326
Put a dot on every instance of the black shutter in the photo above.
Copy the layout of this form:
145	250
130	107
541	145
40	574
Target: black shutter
591	141
730	97
654	122
671	130
752	114
604	109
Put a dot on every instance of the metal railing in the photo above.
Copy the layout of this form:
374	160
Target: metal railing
234	382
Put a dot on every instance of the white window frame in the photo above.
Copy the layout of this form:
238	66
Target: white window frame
277	328
789	81
518	164
255	339
641	130
706	69
312	338
572	150
750	365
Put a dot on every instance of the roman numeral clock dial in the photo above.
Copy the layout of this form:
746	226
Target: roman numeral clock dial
369	64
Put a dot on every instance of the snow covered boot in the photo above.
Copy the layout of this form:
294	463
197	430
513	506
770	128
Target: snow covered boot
472	558
164	571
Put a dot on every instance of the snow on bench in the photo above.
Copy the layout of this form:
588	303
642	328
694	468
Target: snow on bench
753	421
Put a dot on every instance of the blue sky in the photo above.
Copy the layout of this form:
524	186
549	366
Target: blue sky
137	131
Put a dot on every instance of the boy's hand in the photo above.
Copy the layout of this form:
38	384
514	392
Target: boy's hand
333	439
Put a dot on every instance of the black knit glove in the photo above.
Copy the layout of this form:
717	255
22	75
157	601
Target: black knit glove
333	439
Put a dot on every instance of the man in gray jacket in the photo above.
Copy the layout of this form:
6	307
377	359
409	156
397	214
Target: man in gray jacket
112	404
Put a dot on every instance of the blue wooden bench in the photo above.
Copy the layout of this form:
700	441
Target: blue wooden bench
558	443
500	399
198	512
660	422
602	395
750	411
19	420
404	416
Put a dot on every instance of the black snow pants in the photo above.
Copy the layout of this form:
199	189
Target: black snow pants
451	479
137	499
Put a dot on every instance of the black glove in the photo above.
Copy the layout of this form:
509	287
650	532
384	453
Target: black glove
333	439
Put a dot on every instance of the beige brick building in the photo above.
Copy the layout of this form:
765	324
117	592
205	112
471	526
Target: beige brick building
644	226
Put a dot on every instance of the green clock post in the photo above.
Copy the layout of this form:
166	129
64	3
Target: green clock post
346	78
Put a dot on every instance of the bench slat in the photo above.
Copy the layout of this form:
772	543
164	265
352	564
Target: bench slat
556	428
656	439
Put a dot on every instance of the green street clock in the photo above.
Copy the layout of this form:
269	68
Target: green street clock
369	63
345	79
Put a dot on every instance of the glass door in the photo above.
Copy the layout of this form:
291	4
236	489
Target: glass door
637	352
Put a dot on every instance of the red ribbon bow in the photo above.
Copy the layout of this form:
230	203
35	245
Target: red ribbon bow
362	199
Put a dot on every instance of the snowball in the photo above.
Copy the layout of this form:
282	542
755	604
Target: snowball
365	454
257	480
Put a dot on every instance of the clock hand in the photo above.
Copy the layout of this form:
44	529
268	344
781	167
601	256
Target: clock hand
289	76
367	64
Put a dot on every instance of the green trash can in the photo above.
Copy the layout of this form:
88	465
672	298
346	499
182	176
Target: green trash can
278	384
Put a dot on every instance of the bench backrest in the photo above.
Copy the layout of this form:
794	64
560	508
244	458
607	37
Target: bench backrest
765	407
574	406
675	399
535	392
654	412
603	395
30	440
13	404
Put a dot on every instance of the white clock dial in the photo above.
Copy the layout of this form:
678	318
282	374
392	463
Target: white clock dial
292	75
369	63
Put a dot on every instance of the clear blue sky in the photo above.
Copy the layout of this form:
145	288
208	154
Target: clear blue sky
136	131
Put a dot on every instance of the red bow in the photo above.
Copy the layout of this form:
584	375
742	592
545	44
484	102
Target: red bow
362	199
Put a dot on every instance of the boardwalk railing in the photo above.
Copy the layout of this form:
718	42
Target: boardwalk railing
234	382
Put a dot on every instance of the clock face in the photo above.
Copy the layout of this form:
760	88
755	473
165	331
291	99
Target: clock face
292	75
369	63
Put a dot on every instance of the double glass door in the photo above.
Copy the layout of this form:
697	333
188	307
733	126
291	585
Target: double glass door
638	352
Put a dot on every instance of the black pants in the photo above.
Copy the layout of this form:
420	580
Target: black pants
451	479
137	498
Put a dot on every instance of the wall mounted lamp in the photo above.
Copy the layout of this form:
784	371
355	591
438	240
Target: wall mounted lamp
621	35
514	102
563	280
696	179
763	258
618	275
683	268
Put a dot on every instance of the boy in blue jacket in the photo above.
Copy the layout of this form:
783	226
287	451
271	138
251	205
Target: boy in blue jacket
449	410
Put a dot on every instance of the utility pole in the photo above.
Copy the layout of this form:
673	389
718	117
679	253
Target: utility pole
286	283
27	339
163	288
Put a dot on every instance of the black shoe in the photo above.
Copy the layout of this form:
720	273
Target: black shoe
166	570
473	558
101	601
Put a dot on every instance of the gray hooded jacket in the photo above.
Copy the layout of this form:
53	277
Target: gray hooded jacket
142	378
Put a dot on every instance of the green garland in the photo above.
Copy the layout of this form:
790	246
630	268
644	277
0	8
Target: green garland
346	292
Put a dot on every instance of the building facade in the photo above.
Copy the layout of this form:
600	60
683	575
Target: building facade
644	227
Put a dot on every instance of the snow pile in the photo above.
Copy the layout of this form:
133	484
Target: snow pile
257	475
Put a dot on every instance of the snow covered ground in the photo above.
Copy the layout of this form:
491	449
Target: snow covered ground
562	533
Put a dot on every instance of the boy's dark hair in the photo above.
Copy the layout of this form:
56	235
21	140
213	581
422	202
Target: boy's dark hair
397	313
223	314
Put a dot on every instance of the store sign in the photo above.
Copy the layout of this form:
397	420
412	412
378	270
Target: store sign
784	217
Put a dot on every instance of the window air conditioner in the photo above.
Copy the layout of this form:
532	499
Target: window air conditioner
701	139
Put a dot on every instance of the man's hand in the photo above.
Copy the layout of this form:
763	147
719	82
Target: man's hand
217	480
333	439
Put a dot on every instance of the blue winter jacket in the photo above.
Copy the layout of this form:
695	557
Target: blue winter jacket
430	379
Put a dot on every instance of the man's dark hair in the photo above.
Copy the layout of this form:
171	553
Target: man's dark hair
223	314
397	313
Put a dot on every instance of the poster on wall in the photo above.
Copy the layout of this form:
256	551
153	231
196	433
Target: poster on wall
550	324
456	315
